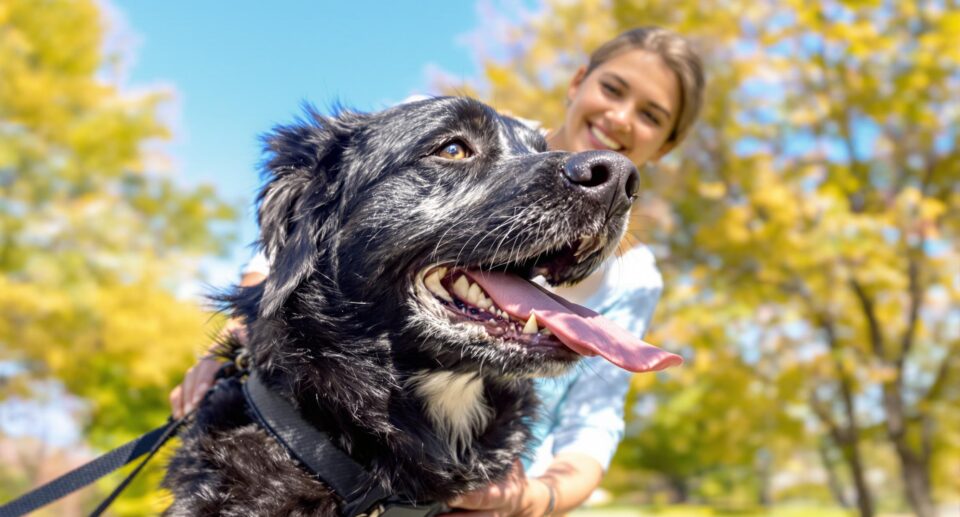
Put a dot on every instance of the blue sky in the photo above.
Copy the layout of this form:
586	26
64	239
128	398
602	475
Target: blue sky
237	71
234	73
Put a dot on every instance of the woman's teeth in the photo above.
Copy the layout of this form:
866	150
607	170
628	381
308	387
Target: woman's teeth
611	144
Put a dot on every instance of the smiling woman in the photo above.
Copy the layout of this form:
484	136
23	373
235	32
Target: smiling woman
628	104
639	95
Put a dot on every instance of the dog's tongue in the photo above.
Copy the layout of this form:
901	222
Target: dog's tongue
577	327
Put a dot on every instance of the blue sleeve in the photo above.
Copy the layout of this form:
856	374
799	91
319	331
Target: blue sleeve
590	418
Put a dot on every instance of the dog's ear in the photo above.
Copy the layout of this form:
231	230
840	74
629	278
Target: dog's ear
302	179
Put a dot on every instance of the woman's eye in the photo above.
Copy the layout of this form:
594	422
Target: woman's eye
609	88
651	117
454	151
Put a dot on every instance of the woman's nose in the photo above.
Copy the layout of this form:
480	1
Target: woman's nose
619	118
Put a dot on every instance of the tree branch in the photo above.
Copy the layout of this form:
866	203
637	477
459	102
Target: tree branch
873	325
951	360
823	414
915	292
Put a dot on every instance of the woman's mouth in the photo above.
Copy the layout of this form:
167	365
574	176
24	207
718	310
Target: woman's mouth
602	140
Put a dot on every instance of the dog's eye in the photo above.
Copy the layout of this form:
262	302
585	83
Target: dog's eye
455	150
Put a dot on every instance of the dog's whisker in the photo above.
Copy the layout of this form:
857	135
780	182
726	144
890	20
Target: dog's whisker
436	249
513	220
506	220
536	233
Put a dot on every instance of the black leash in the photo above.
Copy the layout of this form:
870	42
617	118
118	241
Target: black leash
86	474
360	491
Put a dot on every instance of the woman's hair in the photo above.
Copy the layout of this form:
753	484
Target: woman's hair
678	54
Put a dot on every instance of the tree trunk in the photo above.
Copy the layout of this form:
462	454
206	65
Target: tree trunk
851	453
681	490
916	482
914	466
833	482
847	436
764	466
847	439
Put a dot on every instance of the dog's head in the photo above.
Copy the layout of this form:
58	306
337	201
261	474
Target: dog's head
423	224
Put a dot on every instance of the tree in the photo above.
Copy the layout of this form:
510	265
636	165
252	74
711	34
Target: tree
817	204
94	236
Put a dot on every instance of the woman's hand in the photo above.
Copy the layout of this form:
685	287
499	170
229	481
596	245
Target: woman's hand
513	497
185	397
570	479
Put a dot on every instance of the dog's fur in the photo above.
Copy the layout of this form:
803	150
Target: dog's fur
355	209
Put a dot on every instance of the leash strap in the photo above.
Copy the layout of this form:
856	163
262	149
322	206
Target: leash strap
308	444
313	448
171	430
86	474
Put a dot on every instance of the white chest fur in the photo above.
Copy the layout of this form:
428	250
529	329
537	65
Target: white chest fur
455	403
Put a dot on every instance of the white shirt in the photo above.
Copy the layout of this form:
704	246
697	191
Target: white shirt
583	411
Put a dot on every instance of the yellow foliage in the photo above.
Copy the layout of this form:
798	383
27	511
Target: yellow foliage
849	111
93	235
712	189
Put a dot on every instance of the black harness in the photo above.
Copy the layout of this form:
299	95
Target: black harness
362	494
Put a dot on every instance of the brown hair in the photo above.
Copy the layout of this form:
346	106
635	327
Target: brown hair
678	54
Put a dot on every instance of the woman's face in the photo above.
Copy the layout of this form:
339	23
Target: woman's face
628	104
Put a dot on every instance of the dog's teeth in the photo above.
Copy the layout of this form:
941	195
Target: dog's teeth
432	281
474	294
546	332
461	288
531	326
442	271
485	303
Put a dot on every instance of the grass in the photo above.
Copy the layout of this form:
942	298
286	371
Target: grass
707	511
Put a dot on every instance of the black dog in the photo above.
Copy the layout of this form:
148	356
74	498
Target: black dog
398	317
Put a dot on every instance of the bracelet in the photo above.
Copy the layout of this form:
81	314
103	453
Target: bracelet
553	499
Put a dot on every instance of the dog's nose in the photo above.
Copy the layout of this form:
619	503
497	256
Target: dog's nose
606	174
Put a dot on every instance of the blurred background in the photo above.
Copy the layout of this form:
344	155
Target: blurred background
807	231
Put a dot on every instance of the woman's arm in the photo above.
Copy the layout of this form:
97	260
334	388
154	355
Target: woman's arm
199	378
569	481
